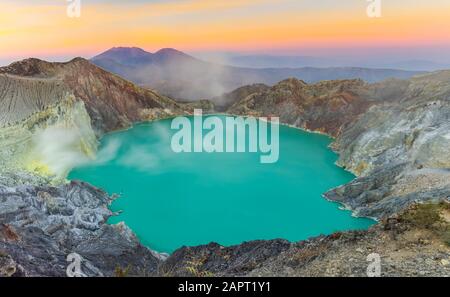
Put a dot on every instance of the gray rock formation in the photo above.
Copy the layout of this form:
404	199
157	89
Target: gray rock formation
45	105
112	102
49	107
393	135
41	225
403	250
21	97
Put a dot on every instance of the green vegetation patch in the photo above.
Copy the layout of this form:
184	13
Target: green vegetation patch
432	217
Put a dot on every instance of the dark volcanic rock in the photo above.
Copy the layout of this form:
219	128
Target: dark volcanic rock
41	226
217	260
325	107
394	135
404	249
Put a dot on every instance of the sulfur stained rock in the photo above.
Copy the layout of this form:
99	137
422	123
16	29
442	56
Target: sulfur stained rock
8	267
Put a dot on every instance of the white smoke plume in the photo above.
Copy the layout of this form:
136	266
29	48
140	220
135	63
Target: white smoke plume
56	150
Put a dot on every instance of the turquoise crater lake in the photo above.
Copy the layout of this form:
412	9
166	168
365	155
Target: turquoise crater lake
170	200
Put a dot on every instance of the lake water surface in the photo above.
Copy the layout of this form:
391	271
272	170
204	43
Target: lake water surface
170	200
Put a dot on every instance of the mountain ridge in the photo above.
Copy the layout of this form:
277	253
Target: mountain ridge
392	135
112	102
298	61
133	56
181	76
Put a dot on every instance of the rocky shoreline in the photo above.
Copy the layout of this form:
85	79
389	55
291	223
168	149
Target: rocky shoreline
42	225
393	135
404	250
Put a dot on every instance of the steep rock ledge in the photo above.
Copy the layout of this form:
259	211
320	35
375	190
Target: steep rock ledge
404	248
50	108
393	135
50	117
112	102
41	225
49	142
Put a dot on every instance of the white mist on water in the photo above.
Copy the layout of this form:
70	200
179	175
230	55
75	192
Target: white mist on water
139	157
108	152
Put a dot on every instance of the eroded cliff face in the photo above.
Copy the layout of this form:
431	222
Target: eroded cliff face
50	117
393	135
49	142
21	97
399	150
52	113
323	107
111	102
412	129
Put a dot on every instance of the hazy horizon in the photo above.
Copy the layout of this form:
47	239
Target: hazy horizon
382	58
407	30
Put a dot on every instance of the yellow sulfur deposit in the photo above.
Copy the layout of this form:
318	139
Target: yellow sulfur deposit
39	168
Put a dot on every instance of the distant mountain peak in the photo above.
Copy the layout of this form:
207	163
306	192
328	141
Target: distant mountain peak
128	50
134	56
79	60
121	53
292	81
169	50
117	48
26	67
169	55
179	75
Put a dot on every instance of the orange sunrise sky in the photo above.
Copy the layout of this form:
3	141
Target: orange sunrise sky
41	28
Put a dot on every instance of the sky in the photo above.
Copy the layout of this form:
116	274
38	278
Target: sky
407	29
